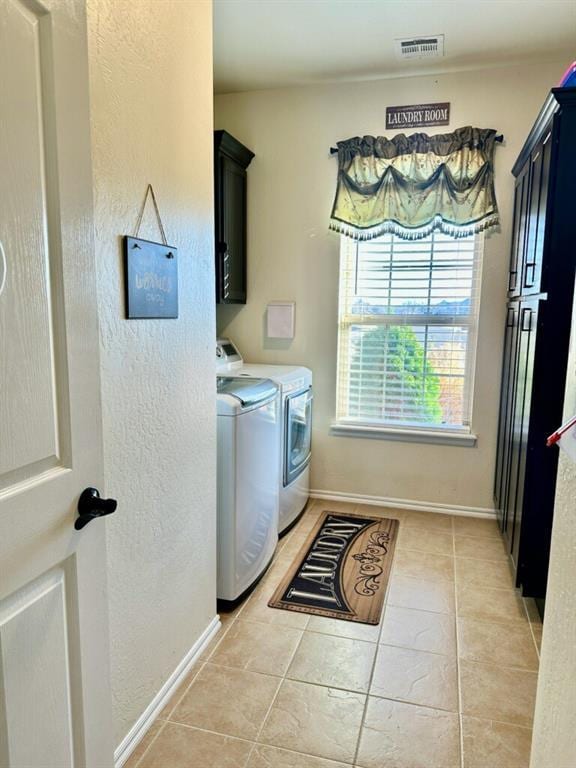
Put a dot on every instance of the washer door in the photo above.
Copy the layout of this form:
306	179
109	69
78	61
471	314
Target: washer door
297	447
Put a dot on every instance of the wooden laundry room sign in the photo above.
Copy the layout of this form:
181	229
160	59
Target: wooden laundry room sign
418	115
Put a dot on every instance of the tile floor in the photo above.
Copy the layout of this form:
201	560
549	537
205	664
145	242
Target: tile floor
447	680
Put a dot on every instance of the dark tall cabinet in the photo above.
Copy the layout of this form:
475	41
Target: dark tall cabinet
540	293
231	159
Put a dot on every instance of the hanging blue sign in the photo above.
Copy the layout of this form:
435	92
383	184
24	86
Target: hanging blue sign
151	279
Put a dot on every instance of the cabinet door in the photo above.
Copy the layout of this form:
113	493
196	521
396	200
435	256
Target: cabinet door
527	327
231	248
521	213
507	486
540	171
506	410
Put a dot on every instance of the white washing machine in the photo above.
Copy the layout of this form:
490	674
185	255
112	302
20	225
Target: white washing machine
295	384
248	481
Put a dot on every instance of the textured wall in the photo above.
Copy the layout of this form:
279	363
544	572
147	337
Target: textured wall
554	742
293	256
151	92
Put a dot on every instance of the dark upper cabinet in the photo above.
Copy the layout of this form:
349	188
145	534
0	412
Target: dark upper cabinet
530	206
537	336
517	254
231	159
532	275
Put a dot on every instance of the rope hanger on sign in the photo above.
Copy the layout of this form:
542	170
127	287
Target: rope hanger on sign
150	191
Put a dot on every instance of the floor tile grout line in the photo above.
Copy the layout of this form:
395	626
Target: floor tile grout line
220	665
280	684
499	621
411	608
318	757
449	712
365	707
512	667
198	668
344	690
199	665
484	537
479	585
502	560
422	610
328	760
525	606
254	741
423	551
189	727
357	692
257	671
373	669
501	722
418	650
341	637
143	755
458	671
303	754
483	663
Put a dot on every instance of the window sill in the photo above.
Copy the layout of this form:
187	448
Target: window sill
462	438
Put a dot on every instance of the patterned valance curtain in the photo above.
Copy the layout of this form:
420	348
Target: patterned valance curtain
411	185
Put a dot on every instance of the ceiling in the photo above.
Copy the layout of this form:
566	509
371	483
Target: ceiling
278	43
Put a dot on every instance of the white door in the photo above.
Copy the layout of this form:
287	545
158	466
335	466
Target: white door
54	657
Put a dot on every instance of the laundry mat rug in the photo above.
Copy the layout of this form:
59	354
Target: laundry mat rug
342	570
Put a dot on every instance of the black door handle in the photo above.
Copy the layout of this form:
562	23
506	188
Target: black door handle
90	506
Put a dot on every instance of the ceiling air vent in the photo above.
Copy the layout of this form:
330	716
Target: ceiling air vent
420	47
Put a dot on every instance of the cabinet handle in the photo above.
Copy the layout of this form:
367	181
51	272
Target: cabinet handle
4	263
510	317
526	312
530	265
512	279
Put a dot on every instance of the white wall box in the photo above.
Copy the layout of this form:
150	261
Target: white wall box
281	319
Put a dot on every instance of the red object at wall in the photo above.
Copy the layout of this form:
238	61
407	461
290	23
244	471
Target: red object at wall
556	436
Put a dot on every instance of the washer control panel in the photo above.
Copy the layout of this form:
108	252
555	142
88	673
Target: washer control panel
227	356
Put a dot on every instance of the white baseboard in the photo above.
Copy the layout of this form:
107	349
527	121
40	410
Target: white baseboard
417	506
141	726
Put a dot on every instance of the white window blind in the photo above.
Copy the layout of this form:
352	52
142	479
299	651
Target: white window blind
408	317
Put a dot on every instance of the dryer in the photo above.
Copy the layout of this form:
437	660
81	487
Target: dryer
295	449
247	481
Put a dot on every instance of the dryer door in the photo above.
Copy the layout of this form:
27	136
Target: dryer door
297	448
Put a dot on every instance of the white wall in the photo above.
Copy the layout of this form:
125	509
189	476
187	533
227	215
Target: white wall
554	741
151	96
293	256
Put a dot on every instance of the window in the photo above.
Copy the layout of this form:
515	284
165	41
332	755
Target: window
408	320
